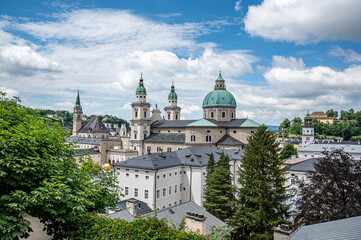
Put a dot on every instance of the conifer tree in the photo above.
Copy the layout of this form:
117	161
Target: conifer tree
219	193
262	195
210	165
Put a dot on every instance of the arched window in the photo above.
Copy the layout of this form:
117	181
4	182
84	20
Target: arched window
135	136
136	114
176	117
232	115
145	114
168	116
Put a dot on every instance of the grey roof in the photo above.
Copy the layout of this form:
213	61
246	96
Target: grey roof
192	156
87	151
320	147
171	124
122	214
164	137
94	125
81	140
229	141
304	166
183	123
344	229
176	213
141	209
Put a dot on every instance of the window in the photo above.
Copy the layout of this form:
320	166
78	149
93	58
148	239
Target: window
145	114
145	136
232	115
168	116
136	170
126	190
212	114
136	176
208	138
180	187
127	174
149	149
135	192
180	201
175	203
136	114
159	149
146	193
169	204
135	136
175	188
223	114
146	177
180	172
164	175
158	193
175	173
146	171
163	207
164	192
193	138
234	131
169	149
170	190
176	117
158	177
127	169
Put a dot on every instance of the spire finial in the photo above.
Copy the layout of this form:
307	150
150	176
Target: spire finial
172	82
220	70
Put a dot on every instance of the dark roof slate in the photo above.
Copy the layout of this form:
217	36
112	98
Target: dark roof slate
183	123
169	138
304	166
192	156
344	229
88	151
81	140
229	141
94	125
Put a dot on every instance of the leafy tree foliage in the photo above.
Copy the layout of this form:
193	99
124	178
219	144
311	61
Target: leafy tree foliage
332	113
261	198
103	228
38	176
219	193
334	189
288	151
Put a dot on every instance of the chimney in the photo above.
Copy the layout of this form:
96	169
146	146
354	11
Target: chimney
196	222
282	232
131	206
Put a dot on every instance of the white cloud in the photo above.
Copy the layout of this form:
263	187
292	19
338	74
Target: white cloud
9	92
190	108
238	6
349	54
127	106
305	21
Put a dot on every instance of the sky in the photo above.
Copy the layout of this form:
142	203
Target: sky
280	58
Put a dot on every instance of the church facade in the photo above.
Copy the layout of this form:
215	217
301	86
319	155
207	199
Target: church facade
219	126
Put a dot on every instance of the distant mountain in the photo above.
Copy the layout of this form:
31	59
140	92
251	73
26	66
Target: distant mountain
273	128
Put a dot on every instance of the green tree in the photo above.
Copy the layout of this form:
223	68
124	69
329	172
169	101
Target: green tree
210	165
288	151
219	195
332	113
334	189
39	178
286	123
262	195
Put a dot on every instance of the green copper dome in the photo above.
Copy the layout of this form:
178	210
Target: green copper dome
172	94
219	98
141	89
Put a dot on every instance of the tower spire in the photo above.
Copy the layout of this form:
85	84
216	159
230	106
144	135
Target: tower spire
77	102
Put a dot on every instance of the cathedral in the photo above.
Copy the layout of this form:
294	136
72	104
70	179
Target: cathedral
150	132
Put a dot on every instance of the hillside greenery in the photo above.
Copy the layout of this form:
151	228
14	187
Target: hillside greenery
348	126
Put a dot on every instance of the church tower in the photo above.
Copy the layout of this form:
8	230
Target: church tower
77	116
140	123
308	131
172	111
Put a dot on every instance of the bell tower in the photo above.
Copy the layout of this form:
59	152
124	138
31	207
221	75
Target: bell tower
172	111
77	116
308	131
140	123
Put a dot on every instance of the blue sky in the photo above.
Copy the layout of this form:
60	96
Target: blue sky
279	58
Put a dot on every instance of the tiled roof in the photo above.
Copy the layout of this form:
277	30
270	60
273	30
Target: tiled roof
304	166
94	125
81	140
193	156
229	141
344	229
168	138
88	151
176	213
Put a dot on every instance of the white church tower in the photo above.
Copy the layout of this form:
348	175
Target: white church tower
308	131
172	111
77	116
140	123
